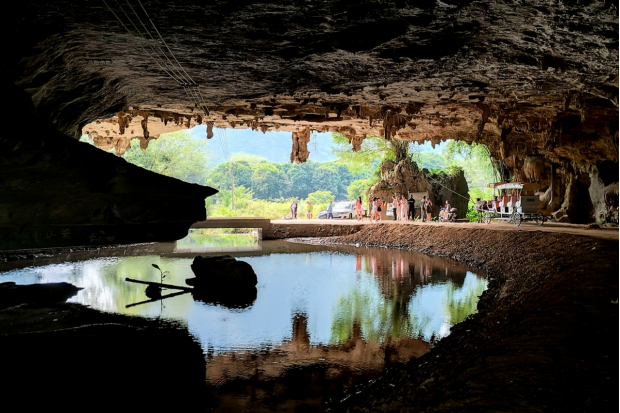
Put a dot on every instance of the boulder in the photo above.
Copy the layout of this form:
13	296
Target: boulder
223	280
12	294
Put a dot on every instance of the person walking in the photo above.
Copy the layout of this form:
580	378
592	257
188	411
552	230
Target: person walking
330	211
309	210
358	208
411	209
423	209
294	210
394	207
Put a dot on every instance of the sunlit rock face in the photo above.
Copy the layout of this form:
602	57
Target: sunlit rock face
529	79
404	178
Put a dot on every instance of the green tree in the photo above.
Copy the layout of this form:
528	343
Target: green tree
242	197
430	160
358	188
220	177
300	178
172	154
477	165
321	197
268	181
374	149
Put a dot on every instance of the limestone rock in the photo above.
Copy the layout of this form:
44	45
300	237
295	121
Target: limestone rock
532	80
223	280
611	202
406	177
56	191
12	294
300	150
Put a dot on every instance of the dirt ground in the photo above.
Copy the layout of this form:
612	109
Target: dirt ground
545	337
323	227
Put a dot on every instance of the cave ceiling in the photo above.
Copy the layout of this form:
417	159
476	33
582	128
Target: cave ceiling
525	77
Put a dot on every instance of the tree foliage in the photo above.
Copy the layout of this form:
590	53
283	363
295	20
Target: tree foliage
172	154
359	188
475	160
321	197
269	180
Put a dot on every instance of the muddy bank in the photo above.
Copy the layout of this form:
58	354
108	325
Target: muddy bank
545	337
280	229
76	358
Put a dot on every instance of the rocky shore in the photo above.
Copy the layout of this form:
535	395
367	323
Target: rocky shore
545	337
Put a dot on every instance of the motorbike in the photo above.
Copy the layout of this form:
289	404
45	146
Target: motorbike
447	217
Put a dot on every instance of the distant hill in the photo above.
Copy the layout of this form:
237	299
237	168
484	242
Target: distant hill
273	145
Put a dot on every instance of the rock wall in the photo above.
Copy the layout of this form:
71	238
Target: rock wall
534	80
56	191
404	177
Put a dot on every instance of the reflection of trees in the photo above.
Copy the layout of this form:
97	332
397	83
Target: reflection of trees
382	310
377	316
459	308
224	240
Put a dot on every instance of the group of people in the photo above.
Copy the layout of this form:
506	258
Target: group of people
308	210
403	209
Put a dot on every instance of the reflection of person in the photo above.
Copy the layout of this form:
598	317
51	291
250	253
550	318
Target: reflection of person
411	205
358	208
330	211
309	210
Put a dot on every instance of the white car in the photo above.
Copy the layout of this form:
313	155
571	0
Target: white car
342	209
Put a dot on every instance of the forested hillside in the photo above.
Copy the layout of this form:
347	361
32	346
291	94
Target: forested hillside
270	180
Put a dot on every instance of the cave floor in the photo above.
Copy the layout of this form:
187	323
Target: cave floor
561	228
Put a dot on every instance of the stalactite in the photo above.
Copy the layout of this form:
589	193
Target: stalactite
299	152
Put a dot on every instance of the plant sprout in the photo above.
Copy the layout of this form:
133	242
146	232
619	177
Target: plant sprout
162	274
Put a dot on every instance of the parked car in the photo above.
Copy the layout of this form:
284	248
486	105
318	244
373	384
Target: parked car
342	209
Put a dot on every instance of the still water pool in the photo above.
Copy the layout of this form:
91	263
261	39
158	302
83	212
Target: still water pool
325	317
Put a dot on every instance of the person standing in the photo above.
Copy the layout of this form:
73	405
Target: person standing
394	207
358	208
330	211
309	210
294	210
373	210
379	205
423	209
403	208
429	204
411	210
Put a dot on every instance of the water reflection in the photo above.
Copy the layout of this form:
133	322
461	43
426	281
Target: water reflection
208	243
324	317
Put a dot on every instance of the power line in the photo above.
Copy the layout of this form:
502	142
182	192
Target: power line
183	78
